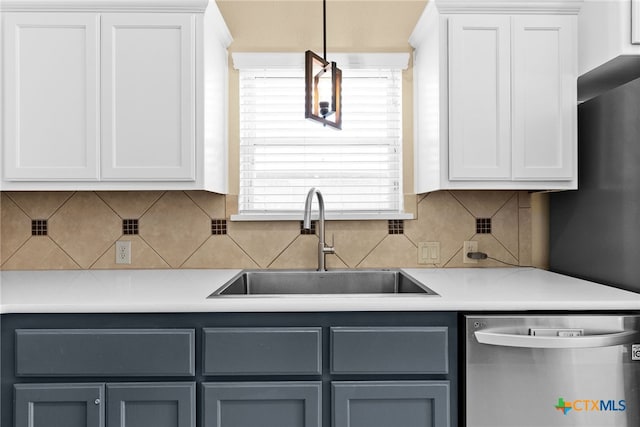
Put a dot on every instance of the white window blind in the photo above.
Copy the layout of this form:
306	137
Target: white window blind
282	155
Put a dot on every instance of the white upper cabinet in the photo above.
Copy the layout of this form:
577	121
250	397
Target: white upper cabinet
51	81
130	96
495	96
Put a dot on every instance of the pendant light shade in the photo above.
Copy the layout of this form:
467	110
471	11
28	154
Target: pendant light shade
323	82
323	85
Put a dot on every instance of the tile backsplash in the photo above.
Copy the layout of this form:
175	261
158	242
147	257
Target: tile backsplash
191	229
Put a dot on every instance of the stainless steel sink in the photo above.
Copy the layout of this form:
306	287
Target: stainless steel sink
307	282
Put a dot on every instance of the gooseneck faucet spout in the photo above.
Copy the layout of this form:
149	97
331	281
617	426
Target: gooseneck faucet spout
323	248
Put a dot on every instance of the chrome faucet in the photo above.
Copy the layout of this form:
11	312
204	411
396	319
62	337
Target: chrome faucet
323	248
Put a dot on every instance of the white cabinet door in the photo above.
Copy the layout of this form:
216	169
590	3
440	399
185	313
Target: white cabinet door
148	97
544	97
479	97
51	96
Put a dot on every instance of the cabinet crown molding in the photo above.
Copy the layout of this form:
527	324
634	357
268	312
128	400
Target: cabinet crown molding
435	8
187	6
556	7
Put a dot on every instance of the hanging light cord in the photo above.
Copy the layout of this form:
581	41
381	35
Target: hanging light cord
324	27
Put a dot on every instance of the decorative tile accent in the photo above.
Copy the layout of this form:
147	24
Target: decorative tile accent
179	232
483	225
130	226
305	231
218	226
396	226
38	227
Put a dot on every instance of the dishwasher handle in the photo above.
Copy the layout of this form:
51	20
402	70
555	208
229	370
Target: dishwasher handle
494	337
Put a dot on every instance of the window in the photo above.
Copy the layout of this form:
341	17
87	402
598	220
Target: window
282	155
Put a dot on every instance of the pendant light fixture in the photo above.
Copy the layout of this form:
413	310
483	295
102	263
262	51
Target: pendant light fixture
323	84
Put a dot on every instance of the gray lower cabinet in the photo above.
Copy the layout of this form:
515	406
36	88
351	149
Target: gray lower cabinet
127	405
59	405
262	404
229	370
151	405
390	403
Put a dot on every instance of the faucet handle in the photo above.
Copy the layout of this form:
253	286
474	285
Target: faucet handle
330	249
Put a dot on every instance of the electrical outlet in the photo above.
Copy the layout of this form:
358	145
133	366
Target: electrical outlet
469	246
123	252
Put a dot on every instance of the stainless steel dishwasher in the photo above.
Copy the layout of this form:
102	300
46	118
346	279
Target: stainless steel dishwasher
547	371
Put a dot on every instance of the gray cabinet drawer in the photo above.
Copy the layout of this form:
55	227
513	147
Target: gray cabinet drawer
390	403
262	351
389	350
105	352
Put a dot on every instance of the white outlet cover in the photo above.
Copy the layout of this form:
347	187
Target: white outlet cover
123	252
469	246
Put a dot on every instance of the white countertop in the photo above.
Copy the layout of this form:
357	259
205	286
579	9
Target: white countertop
142	291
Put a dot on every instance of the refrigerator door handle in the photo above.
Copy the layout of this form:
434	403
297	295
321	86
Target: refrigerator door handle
494	337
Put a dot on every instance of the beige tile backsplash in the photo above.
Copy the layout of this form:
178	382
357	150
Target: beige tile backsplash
175	232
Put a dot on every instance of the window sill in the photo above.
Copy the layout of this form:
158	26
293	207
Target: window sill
329	216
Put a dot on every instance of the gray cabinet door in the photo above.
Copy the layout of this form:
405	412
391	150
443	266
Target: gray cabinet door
151	404
268	404
59	405
390	403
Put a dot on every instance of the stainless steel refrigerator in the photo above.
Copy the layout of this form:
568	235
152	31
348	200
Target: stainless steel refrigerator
595	230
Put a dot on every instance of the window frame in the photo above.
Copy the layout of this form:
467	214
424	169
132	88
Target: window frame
250	60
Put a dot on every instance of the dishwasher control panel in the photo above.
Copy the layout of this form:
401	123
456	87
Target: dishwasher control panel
556	332
635	351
